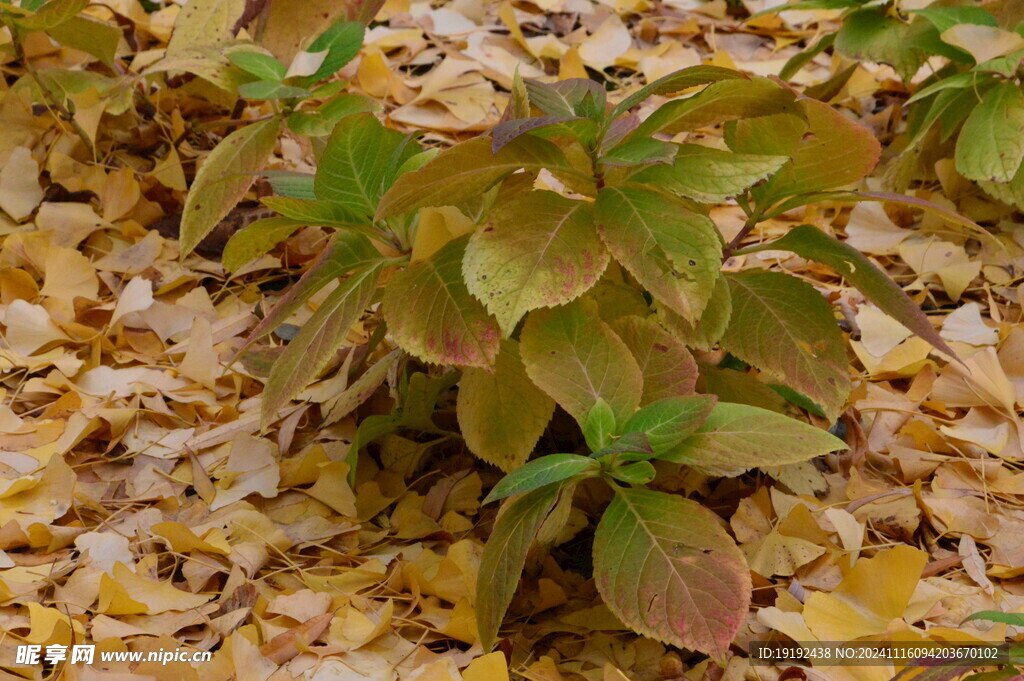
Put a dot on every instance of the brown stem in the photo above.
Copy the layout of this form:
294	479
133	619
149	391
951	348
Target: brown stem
735	242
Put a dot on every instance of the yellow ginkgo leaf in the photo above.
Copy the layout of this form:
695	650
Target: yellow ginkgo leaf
873	594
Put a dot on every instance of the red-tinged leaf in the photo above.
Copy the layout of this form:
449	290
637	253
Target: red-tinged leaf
667	366
831	152
785	328
811	243
465	171
505	555
666	568
674	252
505	132
577	359
433	316
536	249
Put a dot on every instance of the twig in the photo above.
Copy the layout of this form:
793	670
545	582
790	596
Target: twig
51	99
747	228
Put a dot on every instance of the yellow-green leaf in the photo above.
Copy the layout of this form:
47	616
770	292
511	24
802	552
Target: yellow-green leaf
505	556
465	171
674	252
502	413
536	249
223	179
736	437
577	359
255	239
318	339
205	22
786	329
991	143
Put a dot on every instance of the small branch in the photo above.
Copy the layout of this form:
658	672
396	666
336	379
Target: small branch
747	228
51	99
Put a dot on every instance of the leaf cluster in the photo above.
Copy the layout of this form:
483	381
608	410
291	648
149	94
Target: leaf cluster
971	108
579	270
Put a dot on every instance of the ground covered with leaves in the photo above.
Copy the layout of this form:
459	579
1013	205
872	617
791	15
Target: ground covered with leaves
143	507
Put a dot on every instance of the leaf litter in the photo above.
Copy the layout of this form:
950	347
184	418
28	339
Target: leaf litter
142	506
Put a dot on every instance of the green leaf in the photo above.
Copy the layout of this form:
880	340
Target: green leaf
263	66
674	252
565	97
599	426
786	329
833	151
630	447
465	171
736	437
355	162
433	316
676	82
291	184
710	175
342	42
813	244
223	179
255	239
50	15
640	151
991	143
540	472
318	212
668	368
318	339
717	103
346	252
668	422
958	81
1013	618
804	57
741	388
271	89
945	18
505	556
87	35
502	413
872	35
577	359
537	249
636	473
321	121
666	568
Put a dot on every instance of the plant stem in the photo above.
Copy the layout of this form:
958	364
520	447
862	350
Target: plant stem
747	228
51	99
